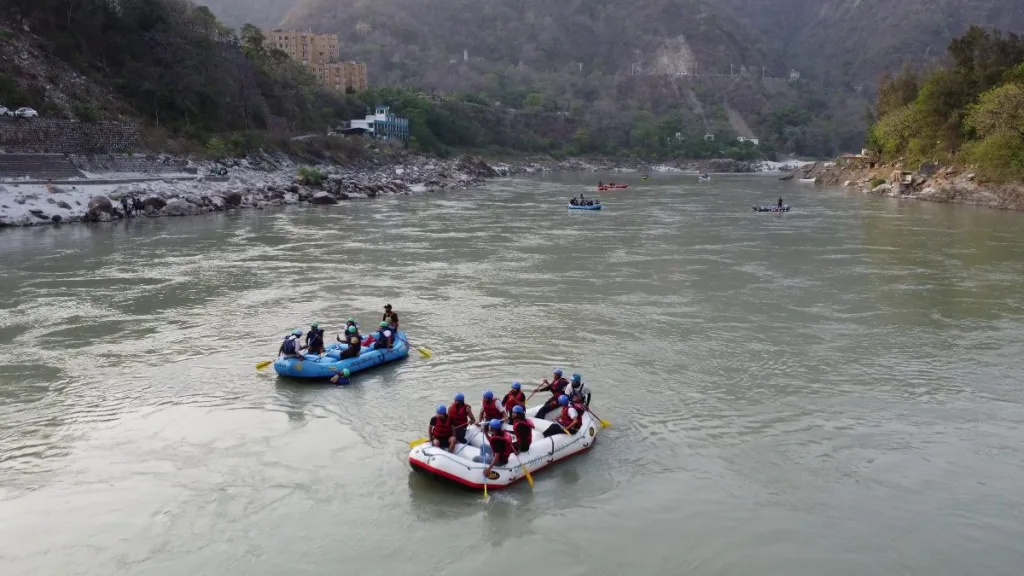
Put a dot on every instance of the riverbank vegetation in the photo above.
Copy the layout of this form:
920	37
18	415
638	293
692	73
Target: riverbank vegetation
968	111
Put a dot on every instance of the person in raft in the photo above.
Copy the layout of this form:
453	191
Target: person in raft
490	408
440	430
557	387
569	420
522	428
383	338
462	417
315	339
514	397
354	343
390	317
579	392
780	202
501	447
290	346
341	378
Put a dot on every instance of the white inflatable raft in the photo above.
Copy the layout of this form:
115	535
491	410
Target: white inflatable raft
459	466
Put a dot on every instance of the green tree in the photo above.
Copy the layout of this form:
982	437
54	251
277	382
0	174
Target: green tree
999	111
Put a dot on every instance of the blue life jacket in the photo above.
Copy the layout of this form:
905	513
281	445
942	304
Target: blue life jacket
289	344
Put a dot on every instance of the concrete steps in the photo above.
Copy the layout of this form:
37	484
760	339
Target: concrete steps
37	167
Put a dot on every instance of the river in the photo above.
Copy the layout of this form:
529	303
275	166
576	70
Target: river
836	390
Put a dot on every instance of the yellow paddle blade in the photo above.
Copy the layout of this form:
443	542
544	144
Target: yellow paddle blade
485	490
417	442
264	364
605	423
529	477
426	353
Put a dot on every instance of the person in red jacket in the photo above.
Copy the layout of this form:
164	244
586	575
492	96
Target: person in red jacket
440	430
522	428
569	421
502	446
513	398
462	416
557	387
491	408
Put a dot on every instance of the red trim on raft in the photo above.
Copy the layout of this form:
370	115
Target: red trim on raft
468	484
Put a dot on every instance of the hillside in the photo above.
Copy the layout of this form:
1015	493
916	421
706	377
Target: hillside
689	66
261	13
853	42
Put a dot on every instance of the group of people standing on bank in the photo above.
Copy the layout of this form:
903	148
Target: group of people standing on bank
448	426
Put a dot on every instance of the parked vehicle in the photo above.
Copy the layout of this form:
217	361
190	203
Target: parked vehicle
26	113
5	112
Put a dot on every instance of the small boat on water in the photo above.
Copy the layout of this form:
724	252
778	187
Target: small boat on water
313	366
460	468
645	177
595	206
704	178
771	208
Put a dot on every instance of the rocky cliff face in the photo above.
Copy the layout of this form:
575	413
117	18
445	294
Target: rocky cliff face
854	41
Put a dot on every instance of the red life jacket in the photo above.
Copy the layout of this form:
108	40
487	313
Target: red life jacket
442	427
565	419
501	443
459	413
558	387
512	399
490	410
524	433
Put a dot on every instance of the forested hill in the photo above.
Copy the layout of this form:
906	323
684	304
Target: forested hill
261	13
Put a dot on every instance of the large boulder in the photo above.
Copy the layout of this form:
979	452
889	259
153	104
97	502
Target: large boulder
323	198
154	202
101	203
194	199
178	207
233	198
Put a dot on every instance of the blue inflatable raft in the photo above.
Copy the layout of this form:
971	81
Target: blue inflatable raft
771	208
316	367
594	207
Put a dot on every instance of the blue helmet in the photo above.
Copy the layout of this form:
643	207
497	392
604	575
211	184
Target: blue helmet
516	385
441	409
297	332
488	395
459	397
576	377
563	400
495	424
558	371
518	409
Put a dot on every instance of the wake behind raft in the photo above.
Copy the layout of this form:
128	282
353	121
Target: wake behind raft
771	208
460	468
313	366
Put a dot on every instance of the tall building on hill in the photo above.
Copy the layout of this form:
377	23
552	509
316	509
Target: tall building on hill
321	53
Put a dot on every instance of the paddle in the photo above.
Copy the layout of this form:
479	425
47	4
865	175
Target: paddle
264	364
423	351
419	441
485	489
604	423
529	478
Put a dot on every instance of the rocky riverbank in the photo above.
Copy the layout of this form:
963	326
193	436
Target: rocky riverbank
928	182
168	186
189	188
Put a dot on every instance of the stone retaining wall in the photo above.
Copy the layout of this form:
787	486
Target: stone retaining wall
51	135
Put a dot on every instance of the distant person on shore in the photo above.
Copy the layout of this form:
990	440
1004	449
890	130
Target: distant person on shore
124	205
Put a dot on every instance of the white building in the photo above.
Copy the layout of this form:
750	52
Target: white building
753	141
